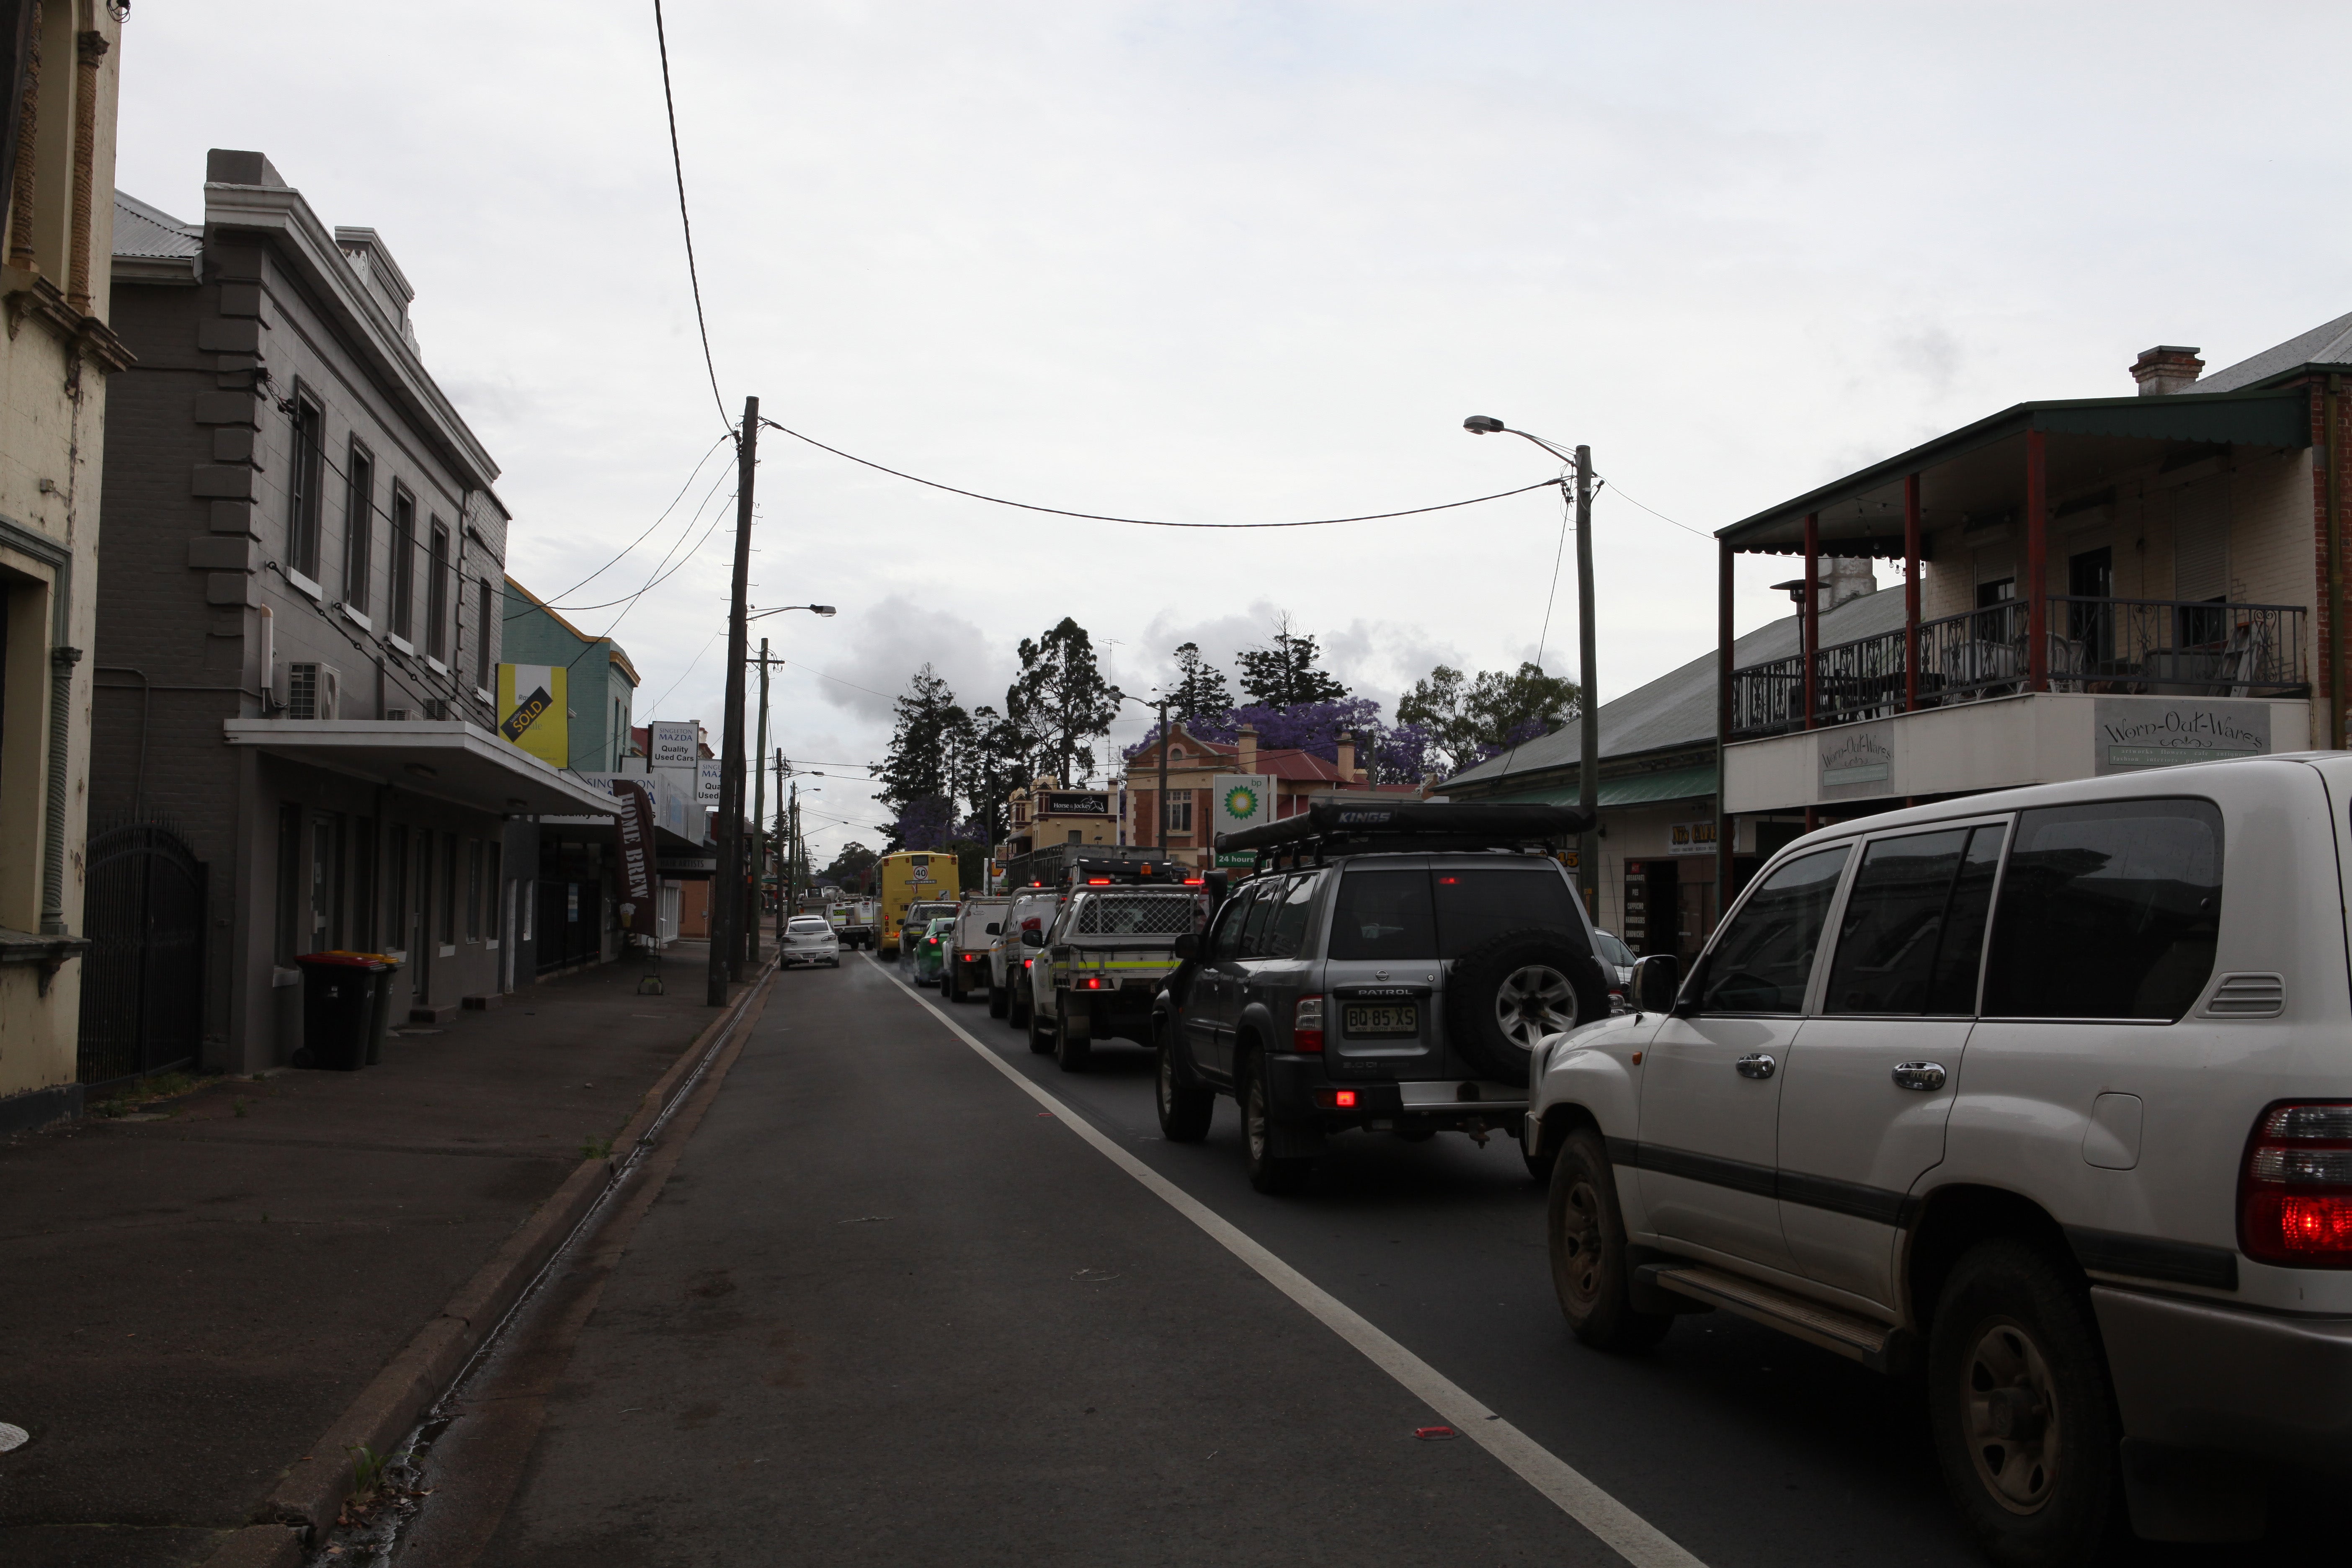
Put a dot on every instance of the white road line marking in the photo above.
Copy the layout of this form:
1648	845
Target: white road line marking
1622	1529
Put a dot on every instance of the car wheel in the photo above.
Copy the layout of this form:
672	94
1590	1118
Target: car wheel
1071	1049
1586	1230
1186	1107
1267	1173
2022	1411
1040	1041
999	1001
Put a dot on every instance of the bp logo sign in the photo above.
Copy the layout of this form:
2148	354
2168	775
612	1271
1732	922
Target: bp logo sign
1241	801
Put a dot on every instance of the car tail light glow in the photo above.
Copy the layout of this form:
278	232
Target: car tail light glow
1090	982
1306	1025
1193	881
2294	1195
1345	1098
1097	882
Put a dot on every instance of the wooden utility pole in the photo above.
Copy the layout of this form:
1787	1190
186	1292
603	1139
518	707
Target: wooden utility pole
727	888
758	821
1588	772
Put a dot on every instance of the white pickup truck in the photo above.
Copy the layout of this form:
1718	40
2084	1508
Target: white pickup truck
964	969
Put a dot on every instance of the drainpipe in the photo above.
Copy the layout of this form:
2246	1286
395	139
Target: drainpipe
2334	411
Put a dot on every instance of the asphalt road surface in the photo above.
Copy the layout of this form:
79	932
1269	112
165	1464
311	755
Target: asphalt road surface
880	1305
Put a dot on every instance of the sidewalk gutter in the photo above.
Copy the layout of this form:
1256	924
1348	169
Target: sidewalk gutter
309	1495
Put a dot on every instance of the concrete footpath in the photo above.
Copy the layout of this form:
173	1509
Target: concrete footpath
204	1303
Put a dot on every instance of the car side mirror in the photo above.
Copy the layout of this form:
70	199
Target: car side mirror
1655	980
1186	947
1033	939
994	927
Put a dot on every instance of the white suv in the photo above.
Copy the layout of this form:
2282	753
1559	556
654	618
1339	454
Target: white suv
2047	1093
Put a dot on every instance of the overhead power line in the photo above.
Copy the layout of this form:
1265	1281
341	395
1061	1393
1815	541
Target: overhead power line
677	163
1146	521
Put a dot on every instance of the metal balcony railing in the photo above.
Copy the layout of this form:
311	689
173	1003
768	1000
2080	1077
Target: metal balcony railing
2160	648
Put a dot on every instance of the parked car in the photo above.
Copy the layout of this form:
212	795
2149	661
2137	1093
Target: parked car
1032	909
1396	983
929	948
972	942
2045	1093
1620	959
917	921
810	939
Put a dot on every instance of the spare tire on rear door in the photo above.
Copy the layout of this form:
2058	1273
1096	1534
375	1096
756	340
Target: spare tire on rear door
1512	990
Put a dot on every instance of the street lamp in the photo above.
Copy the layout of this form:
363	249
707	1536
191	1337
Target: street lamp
1587	772
826	610
1159	800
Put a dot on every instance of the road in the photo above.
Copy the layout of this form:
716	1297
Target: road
878	1304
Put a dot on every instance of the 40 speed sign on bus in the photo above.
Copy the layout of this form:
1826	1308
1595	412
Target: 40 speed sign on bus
1239	801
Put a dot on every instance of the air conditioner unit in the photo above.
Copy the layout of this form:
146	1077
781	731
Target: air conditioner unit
396	715
313	690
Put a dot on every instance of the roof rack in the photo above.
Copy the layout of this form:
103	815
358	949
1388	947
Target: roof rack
1330	827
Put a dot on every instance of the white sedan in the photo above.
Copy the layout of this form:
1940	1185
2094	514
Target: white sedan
809	939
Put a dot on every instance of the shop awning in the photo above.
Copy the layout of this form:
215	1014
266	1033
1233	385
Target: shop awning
448	760
1634	789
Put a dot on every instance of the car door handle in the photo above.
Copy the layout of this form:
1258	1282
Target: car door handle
1758	1066
1924	1076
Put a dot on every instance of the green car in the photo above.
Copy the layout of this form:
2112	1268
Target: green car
929	960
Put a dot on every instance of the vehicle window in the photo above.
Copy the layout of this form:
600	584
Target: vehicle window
819	927
2107	911
1613	951
1761	963
1227	941
1914	925
1287	932
1261	915
1474	905
1384	914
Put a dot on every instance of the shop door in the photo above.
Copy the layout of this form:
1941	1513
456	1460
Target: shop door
1694	918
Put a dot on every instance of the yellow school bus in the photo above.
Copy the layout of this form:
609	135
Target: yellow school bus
908	878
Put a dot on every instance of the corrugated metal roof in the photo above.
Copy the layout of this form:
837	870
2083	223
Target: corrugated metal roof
1636	789
1678	708
2328	344
150	232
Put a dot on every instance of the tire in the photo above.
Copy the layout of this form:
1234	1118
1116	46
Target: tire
1186	1107
1512	990
1269	1174
1585	1230
1072	1050
999	1001
2022	1408
1040	1042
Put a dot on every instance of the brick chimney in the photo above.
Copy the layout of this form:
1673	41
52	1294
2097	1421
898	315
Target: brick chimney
1247	741
1347	758
2166	368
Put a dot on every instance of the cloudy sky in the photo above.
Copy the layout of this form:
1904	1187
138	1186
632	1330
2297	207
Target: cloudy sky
1229	262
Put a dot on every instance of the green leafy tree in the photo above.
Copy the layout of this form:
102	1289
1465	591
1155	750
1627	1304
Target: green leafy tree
1288	673
850	865
1060	703
1200	691
1468	719
927	745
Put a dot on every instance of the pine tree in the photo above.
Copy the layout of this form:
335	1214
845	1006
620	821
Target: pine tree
1287	674
1200	691
1060	703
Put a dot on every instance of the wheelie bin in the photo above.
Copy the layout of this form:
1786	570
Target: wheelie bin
338	1004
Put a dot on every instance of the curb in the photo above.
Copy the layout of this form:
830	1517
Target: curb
309	1494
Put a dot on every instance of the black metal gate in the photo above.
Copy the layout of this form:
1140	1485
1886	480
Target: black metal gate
142	980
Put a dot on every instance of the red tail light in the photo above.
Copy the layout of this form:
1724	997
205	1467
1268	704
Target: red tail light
2294	1196
1306	1025
1193	881
1091	984
1344	1099
1097	882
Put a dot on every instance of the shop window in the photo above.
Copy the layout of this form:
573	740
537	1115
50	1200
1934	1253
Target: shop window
402	598
359	526
436	596
473	890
